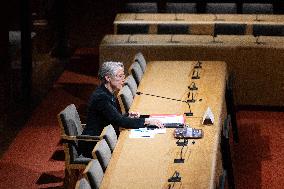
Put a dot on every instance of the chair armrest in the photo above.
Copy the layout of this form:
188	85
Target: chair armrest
81	138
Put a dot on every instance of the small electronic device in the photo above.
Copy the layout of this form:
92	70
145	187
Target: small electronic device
188	133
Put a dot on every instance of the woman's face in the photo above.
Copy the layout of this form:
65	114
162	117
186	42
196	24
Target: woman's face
117	81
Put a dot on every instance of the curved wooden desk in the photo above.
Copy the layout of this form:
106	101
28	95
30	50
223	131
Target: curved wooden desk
148	163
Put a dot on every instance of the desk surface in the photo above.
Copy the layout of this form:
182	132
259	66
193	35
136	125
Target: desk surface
148	163
152	18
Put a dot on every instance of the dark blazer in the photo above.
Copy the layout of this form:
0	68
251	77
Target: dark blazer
102	111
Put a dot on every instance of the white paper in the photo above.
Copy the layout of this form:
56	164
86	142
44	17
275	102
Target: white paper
168	118
141	133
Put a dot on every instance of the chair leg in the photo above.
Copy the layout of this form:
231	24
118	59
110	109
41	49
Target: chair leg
70	178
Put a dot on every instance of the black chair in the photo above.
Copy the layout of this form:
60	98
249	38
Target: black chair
181	8
226	153
132	29
257	8
267	30
230	103
141	8
229	29
94	173
221	8
172	29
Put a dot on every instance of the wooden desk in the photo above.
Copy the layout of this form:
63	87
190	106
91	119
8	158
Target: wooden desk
199	24
148	163
258	68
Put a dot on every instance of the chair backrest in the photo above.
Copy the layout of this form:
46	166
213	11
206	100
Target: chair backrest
230	29
257	8
83	184
268	30
181	8
94	173
103	153
136	70
172	29
141	7
68	114
221	8
71	126
141	61
131	83
110	136
125	98
132	29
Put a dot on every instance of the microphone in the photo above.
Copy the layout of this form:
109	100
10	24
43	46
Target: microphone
190	113
175	178
195	76
192	86
192	100
181	159
198	65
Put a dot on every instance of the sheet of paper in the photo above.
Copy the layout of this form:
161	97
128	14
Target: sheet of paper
141	133
168	118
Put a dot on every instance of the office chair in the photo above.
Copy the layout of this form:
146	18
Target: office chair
226	153
110	136
172	29
181	8
71	133
229	29
131	83
141	61
83	184
221	8
94	173
141	7
257	8
125	99
136	70
230	103
102	152
132	29
267	30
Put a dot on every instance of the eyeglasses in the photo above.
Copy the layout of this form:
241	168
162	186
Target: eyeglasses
121	76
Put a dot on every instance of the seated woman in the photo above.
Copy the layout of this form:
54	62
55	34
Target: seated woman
103	109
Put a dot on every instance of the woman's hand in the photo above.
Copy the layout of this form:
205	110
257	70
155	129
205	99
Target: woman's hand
133	114
155	122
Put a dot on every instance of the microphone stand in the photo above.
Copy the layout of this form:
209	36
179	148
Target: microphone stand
181	159
190	113
175	178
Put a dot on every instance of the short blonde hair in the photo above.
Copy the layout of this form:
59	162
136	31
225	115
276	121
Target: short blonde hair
109	69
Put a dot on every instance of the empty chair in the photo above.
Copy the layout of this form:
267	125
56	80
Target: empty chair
136	70
125	99
221	8
131	83
83	184
230	103
102	152
172	29
268	30
110	136
94	174
257	8
181	8
141	7
229	29
132	29
141	61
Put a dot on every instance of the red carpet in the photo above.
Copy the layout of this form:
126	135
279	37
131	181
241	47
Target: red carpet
35	157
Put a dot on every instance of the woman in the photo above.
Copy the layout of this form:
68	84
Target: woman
103	109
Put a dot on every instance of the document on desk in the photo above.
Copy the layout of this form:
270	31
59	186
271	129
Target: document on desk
169	118
145	133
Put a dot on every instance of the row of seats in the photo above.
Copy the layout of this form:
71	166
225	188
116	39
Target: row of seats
71	132
215	8
136	71
219	29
